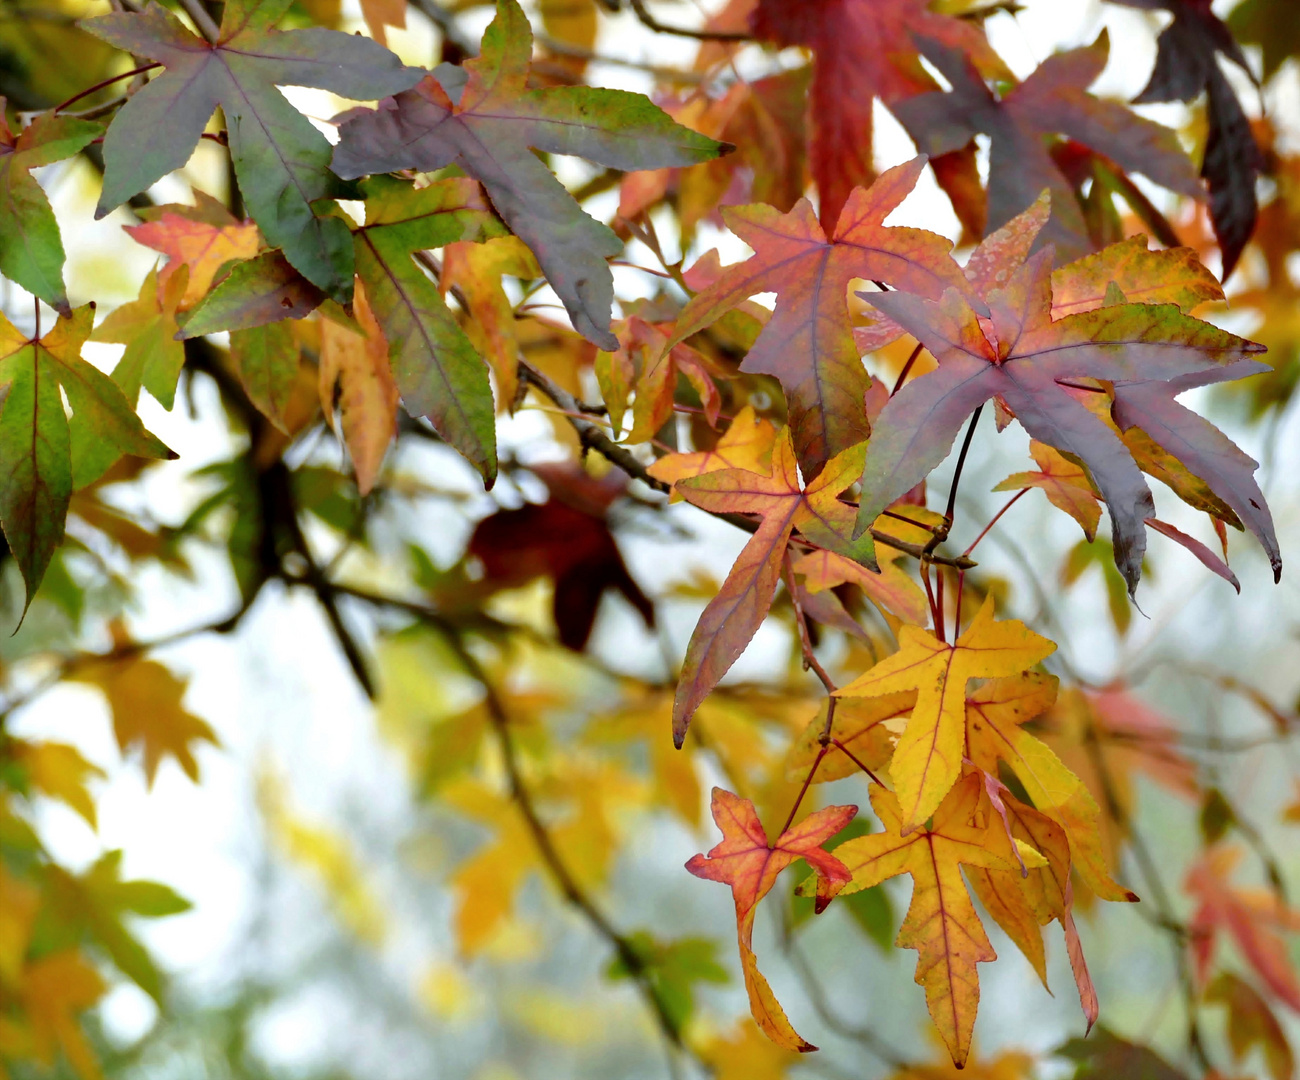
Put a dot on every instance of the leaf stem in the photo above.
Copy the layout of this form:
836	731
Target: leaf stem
987	528
907	368
103	83
961	464
856	760
651	23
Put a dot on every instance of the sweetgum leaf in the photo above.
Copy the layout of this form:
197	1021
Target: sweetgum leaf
256	292
436	368
808	342
941	922
484	118
281	161
46	454
31	250
1150	353
1052	101
862	49
745	860
928	758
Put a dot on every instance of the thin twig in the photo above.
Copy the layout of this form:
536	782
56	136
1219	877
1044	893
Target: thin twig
199	14
902	375
651	23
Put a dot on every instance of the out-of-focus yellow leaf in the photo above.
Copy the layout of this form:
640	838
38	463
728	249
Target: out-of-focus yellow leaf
145	700
329	856
746	1054
54	990
59	771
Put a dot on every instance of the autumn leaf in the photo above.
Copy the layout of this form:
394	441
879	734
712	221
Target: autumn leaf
257	291
1251	1023
438	372
281	161
147	327
380	14
889	588
475	271
144	698
941	922
746	444
1150	353
48	455
354	372
1065	484
744	1054
808	342
59	771
1052	101
203	237
31	250
1254	918
483	118
1187	63
995	715
750	865
54	989
866	727
643	364
734	615
927	760
862	50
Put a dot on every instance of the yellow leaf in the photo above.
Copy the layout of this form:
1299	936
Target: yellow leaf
329	856
927	760
745	1054
867	727
19	903
145	700
747	444
59	771
994	715
941	922
379	13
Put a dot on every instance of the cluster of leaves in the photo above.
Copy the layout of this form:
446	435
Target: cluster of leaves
397	272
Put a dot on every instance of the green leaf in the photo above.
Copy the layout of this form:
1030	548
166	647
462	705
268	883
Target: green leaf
267	358
31	250
262	290
280	159
484	118
46	455
439	373
147	327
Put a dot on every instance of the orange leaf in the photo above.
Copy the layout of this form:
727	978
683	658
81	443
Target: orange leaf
750	865
203	237
1066	485
747	444
379	13
1253	917
357	366
732	617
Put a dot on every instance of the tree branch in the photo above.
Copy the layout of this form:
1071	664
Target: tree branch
651	23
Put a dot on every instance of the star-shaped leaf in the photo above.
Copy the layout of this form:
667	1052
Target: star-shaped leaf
31	250
746	444
484	118
1187	63
941	922
281	161
46	454
995	713
1147	353
862	50
928	758
147	327
808	342
747	862
203	238
1064	483
145	700
733	617
1052	101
